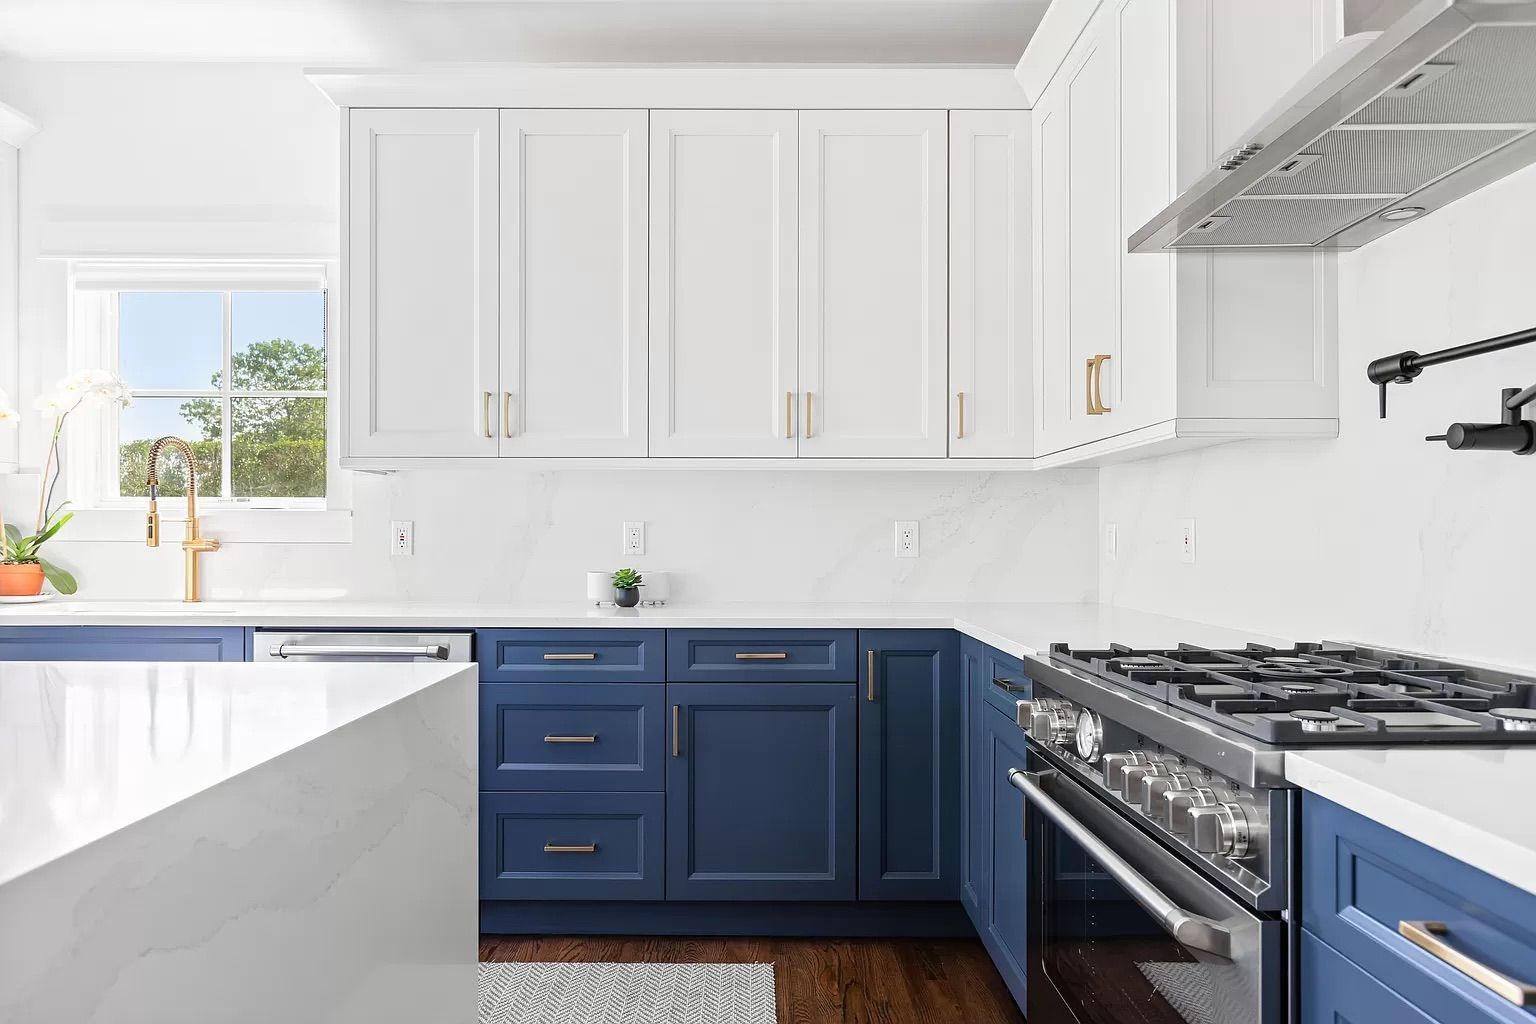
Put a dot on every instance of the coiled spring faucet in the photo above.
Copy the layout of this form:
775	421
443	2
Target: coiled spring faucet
194	544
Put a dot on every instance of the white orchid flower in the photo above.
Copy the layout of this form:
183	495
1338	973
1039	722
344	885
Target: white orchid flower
95	385
55	405
8	413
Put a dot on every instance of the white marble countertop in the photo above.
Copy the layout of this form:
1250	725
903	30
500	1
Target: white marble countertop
1019	629
89	749
1466	802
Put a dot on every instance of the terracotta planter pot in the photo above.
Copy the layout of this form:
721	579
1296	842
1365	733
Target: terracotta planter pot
21	580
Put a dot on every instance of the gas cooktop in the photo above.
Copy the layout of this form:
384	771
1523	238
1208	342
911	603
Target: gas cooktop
1317	694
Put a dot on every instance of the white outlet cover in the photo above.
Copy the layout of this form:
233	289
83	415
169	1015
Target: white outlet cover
1111	542
906	539
633	540
1186	540
402	537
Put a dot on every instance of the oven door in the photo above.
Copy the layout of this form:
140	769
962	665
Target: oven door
1122	930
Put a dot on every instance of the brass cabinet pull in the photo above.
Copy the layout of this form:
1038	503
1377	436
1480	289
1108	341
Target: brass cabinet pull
1428	936
556	848
1011	687
677	730
789	414
485	414
506	414
570	657
807	414
960	397
570	739
1095	385
761	656
869	691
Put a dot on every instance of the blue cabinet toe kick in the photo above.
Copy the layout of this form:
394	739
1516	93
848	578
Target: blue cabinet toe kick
886	919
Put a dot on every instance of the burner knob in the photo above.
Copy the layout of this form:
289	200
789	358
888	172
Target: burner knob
1115	765
1133	780
1220	829
1177	804
1154	791
1052	722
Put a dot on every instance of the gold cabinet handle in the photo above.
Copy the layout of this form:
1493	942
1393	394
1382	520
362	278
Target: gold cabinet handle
761	655
677	730
1095	385
570	739
506	414
1428	936
869	665
570	657
807	414
789	414
557	848
960	397
485	414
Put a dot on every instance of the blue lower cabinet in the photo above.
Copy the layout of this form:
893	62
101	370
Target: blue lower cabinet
572	655
123	643
571	846
972	816
761	795
909	765
1005	907
1335	991
579	737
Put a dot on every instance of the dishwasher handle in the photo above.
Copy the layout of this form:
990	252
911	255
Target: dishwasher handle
1186	928
438	652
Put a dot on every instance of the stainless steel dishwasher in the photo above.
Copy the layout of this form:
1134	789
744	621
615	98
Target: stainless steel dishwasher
288	645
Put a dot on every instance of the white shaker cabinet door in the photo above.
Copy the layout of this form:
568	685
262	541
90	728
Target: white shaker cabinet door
990	324
421	284
573	294
723	230
873	277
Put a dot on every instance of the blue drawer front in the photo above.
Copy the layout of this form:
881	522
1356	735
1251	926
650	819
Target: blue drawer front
580	655
521	835
122	643
1335	991
1003	681
1362	879
580	737
762	655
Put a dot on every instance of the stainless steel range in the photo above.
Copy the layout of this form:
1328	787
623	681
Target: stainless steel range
1160	824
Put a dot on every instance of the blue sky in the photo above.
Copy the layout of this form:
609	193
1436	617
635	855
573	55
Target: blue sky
174	340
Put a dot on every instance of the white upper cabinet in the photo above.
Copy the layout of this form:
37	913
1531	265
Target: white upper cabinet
421	281
723	285
990	323
873	279
1154	349
573	283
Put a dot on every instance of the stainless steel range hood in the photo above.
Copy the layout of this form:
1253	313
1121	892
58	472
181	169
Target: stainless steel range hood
1396	125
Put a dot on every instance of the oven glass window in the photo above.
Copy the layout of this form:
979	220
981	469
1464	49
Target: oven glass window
1112	963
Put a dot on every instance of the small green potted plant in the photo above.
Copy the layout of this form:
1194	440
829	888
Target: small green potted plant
23	570
626	588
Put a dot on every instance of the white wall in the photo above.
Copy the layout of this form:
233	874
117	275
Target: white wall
1377	536
220	159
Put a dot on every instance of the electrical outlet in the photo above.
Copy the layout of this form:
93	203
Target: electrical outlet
402	537
1111	542
906	539
634	539
1187	541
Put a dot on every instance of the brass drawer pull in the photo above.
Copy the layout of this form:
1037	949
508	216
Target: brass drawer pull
869	692
1429	936
570	657
960	397
789	414
506	414
807	414
570	739
761	655
1095	382
485	414
557	848
677	730
1008	685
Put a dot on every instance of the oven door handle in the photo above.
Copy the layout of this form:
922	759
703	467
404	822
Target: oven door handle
1188	929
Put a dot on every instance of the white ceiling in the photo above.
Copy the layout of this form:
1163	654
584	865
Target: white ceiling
383	32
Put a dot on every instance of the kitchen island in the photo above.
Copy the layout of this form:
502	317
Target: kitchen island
198	842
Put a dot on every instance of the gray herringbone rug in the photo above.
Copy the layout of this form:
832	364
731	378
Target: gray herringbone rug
626	994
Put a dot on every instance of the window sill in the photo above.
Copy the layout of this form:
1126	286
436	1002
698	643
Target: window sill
228	525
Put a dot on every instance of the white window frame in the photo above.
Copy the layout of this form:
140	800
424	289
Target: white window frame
91	467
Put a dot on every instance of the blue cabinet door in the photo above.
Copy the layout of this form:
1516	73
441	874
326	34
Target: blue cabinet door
909	765
570	846
761	791
573	737
1005	910
1335	991
123	643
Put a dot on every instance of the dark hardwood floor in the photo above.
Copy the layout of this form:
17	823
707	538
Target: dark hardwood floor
819	981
